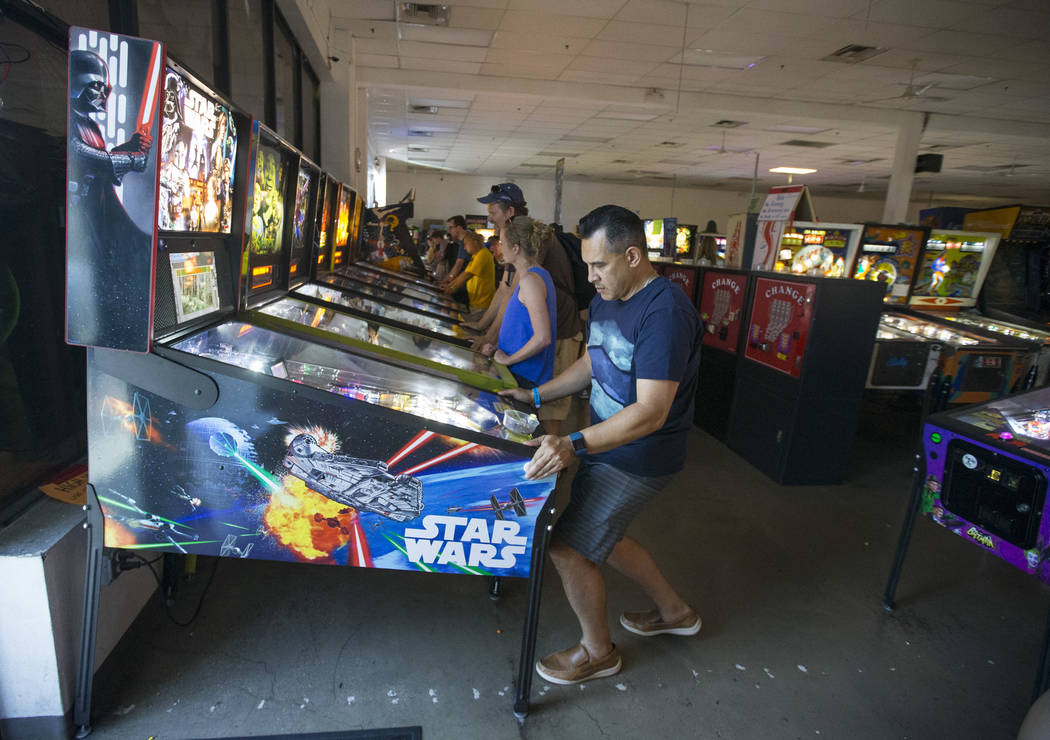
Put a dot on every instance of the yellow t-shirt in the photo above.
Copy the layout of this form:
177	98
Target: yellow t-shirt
481	285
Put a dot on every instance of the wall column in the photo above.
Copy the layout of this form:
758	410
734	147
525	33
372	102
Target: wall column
909	134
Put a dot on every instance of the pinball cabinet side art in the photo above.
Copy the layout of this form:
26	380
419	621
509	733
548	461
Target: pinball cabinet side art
222	438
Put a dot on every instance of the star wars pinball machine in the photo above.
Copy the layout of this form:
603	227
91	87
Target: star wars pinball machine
230	431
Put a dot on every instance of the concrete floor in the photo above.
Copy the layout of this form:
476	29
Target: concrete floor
795	642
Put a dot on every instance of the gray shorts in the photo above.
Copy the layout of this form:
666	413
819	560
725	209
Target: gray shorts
605	500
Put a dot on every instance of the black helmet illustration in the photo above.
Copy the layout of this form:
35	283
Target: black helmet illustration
88	81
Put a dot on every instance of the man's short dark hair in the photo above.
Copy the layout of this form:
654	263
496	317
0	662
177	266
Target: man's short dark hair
458	221
622	228
436	234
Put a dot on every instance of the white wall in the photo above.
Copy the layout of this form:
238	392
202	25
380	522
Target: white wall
440	195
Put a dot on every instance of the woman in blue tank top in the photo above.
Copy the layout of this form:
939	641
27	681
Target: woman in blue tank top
526	336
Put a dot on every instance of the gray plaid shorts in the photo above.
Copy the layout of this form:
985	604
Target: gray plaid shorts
604	501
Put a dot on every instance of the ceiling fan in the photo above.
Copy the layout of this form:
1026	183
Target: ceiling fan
911	91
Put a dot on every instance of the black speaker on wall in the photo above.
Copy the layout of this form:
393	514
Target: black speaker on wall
929	162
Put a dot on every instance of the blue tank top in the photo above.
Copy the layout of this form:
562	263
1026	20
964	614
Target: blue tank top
516	330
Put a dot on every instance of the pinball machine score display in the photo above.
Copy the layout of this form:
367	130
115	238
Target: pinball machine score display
234	432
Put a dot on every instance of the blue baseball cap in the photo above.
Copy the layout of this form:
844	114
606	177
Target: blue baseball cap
505	192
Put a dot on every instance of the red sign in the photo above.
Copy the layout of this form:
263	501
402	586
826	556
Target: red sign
721	308
780	318
684	276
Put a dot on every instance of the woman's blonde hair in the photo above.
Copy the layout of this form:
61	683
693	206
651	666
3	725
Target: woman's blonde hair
529	234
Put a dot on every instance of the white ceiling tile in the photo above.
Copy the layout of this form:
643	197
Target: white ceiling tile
1025	24
368	29
928	13
638	52
828	8
589	8
469	16
537	43
666	12
626	67
643	33
449	52
535	22
375	46
440	65
498	4
370	9
377	60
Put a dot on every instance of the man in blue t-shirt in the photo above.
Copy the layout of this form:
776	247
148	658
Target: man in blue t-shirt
641	364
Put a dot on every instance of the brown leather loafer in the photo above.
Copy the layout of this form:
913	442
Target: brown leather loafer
575	665
651	623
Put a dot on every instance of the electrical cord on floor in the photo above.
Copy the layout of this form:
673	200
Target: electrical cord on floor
156	576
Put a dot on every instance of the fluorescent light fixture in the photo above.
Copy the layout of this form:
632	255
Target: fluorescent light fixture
793	170
441	35
712	58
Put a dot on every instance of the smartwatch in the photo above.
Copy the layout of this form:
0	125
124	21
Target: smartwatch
579	446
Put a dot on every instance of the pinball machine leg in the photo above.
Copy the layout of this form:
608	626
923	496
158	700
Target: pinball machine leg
914	504
94	525
495	588
1042	678
532	614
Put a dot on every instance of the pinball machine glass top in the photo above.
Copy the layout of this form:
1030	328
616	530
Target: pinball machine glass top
1024	417
343	373
197	160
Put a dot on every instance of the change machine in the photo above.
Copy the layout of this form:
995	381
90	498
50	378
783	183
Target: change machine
723	303
800	379
218	436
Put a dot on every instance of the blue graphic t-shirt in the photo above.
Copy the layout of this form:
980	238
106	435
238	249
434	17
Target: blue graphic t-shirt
654	335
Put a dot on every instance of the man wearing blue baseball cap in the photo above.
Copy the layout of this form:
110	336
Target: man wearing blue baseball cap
508	194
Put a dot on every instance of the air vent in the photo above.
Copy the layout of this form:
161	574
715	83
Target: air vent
417	132
853	53
417	149
429	110
808	144
621	161
671	144
423	14
726	123
855	162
